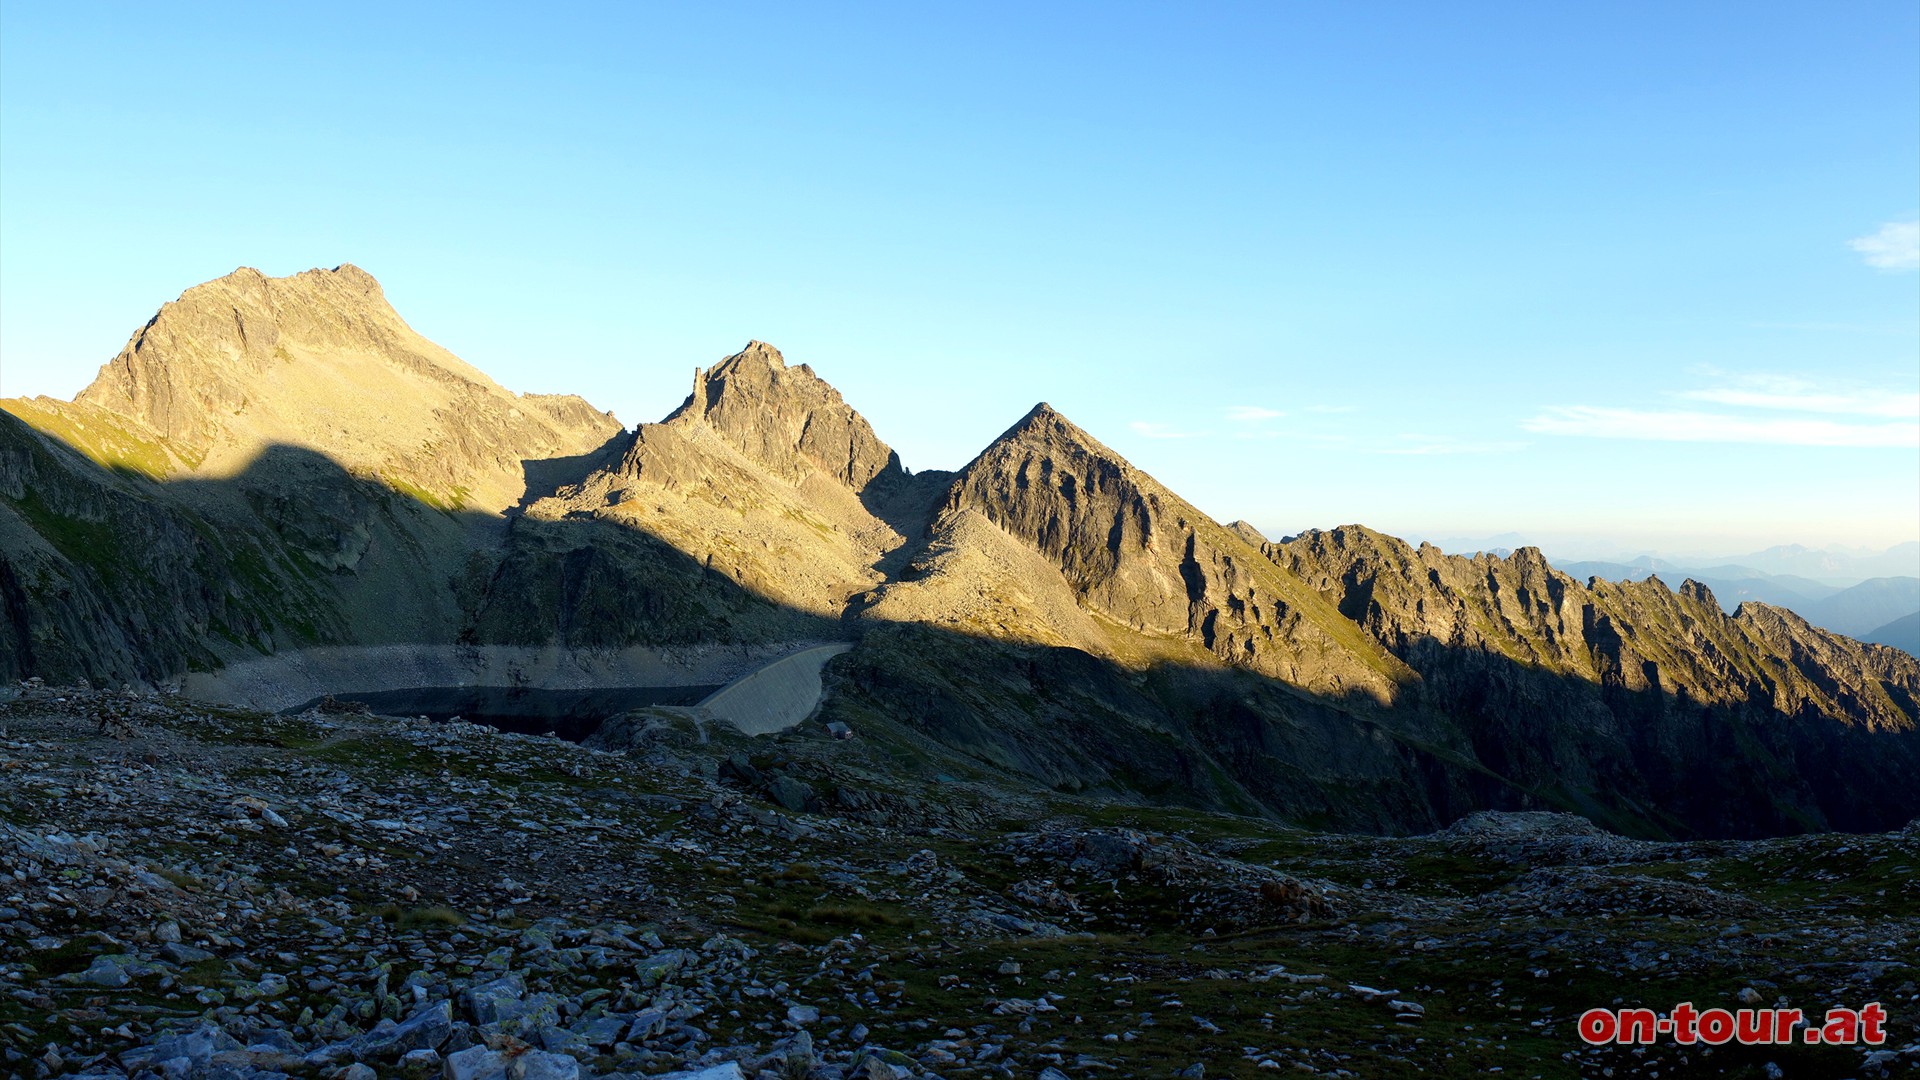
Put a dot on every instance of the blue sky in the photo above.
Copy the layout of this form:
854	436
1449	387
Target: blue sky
1640	275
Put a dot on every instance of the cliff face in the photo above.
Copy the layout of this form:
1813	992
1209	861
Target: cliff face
272	463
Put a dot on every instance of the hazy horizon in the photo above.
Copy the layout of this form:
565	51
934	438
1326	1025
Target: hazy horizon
1641	279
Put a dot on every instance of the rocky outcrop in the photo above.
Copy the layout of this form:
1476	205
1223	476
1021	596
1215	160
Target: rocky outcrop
1876	686
972	577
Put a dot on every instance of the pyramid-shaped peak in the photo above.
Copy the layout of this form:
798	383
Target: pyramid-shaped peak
247	317
1038	420
1045	425
1698	592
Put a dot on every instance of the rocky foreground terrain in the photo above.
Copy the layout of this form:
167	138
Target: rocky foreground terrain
211	892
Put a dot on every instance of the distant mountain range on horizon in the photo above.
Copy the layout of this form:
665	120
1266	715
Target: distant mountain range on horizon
1866	594
1871	610
1835	566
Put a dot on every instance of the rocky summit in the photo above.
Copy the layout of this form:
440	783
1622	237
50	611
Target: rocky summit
735	748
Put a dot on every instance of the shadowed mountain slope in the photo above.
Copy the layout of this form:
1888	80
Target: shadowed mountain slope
286	464
1607	688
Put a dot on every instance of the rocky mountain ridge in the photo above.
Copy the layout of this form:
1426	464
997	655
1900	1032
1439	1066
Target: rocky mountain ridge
1663	685
1048	610
1522	608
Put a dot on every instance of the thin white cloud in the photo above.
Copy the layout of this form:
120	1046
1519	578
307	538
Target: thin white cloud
1895	247
1804	398
1315	438
1163	431
1903	329
1833	413
1252	414
1414	444
1673	425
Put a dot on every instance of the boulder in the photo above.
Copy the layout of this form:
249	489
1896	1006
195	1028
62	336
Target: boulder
427	1029
728	1071
480	1063
489	1000
793	794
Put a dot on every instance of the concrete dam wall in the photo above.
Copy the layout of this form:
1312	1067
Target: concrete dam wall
759	690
